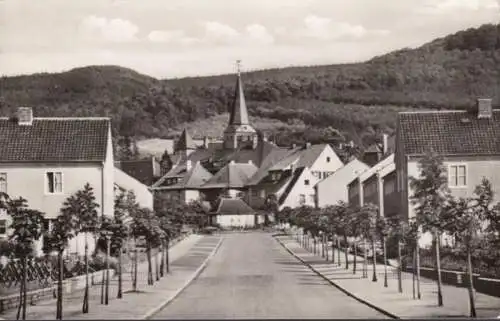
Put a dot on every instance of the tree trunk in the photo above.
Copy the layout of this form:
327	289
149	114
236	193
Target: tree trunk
59	309
385	261
134	283
374	276
365	260
338	252
103	280
21	296
162	263
150	266
108	252
472	303
25	285
400	268
157	270
85	307
438	270
325	246
414	270
120	281
354	263
167	258
333	249
346	248
417	255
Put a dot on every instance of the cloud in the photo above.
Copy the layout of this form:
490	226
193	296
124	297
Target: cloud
447	6
258	33
316	27
219	33
113	30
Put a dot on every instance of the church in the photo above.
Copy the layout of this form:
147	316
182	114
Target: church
245	167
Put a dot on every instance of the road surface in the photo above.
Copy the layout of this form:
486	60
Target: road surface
253	276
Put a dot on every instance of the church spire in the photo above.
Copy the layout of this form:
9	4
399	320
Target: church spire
239	112
185	142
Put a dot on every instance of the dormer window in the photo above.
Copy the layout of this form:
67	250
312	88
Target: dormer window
306	182
328	159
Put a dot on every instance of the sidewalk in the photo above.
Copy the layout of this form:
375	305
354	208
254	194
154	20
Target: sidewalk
187	258
389	300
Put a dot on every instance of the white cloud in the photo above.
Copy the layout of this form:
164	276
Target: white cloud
216	32
326	29
258	33
113	30
446	6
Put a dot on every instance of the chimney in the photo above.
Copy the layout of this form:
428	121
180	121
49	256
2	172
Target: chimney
232	162
384	144
484	109
294	146
205	142
250	162
292	168
189	165
25	116
351	144
308	145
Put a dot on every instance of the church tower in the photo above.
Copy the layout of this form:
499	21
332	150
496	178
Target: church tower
185	145
239	133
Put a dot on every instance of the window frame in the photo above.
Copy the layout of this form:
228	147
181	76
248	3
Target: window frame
302	199
457	166
307	182
6	181
46	182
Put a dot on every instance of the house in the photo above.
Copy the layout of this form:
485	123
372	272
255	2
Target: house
333	189
146	171
233	213
468	141
126	183
46	160
291	177
375	152
367	187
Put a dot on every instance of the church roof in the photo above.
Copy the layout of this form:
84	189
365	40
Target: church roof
239	112
185	142
192	178
233	175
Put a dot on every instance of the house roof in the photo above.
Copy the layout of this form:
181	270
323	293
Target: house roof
189	179
347	172
228	206
54	140
449	133
272	158
301	157
185	142
144	170
374	169
233	175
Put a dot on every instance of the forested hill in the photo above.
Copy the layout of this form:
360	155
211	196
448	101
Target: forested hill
358	100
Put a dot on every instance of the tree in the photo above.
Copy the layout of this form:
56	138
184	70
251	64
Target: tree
82	208
26	228
465	218
430	195
271	205
57	240
383	230
120	234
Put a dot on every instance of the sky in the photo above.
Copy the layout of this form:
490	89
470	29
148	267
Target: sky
179	38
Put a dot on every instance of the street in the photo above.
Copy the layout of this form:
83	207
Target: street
253	276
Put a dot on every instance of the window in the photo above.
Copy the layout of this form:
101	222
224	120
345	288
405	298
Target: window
312	198
328	159
3	182
457	176
302	199
3	227
306	182
54	182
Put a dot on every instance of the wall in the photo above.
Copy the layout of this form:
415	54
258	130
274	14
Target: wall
353	192
371	191
190	196
321	163
143	196
108	181
391	195
236	220
293	198
334	188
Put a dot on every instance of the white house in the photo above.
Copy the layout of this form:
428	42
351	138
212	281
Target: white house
45	160
333	189
233	212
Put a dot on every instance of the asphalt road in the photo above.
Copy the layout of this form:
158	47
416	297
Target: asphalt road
253	276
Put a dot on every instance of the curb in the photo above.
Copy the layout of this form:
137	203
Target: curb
185	285
336	285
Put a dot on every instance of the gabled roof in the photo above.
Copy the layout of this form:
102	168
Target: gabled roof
274	157
229	206
295	177
373	170
185	142
189	179
54	140
144	170
233	175
449	133
301	157
238	112
346	173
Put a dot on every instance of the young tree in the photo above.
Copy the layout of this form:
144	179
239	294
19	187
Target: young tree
465	220
383	230
82	208
57	240
119	235
26	228
430	194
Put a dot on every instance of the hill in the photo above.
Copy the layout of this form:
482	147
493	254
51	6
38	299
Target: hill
356	101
